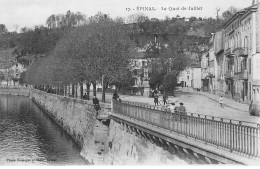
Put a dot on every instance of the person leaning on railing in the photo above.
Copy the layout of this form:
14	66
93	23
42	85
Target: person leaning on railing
182	111
115	96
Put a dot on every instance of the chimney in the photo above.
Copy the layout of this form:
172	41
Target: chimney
258	28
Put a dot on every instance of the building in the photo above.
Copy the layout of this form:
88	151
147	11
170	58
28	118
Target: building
191	77
196	78
212	66
12	74
220	57
205	71
241	39
10	67
185	77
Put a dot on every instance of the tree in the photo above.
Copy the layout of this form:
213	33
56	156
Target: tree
169	82
171	59
137	18
226	15
101	48
2	76
3	29
22	78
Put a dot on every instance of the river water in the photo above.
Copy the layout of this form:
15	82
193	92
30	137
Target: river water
29	137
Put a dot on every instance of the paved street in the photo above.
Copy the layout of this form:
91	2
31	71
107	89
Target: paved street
199	102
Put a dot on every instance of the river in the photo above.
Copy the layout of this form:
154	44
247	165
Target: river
29	137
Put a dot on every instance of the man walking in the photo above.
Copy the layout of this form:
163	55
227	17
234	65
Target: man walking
96	105
156	98
165	97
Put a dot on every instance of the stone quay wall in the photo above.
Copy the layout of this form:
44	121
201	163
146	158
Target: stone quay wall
77	117
19	91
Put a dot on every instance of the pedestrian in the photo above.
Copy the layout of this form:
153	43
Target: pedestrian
115	95
165	97
85	96
172	107
156	98
96	105
182	111
221	101
155	91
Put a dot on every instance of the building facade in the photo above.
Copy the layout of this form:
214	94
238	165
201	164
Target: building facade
185	77
196	78
240	54
205	71
212	66
220	58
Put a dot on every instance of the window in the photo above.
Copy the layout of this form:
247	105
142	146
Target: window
245	64
249	65
143	63
238	45
235	45
237	65
249	91
242	66
245	42
135	72
232	43
187	77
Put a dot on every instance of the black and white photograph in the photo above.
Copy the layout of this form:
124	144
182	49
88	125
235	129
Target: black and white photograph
129	83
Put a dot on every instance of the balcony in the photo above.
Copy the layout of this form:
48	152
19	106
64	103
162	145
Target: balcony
229	53
229	74
243	52
243	75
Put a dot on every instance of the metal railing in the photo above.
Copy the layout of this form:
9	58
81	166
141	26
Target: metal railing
235	136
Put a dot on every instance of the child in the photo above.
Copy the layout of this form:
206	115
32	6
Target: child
221	101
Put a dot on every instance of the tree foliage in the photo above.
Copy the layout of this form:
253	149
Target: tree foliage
101	48
2	76
169	82
3	29
226	15
70	19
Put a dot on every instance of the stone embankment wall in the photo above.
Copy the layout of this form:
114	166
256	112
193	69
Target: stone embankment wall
19	91
128	148
101	144
77	118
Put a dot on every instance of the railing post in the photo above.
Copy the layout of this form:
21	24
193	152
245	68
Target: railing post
258	141
230	138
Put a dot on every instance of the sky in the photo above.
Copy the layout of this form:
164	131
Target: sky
29	13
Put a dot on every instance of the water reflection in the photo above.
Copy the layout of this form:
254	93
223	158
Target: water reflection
28	136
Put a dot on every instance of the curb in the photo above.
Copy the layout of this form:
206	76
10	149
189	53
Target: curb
223	104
